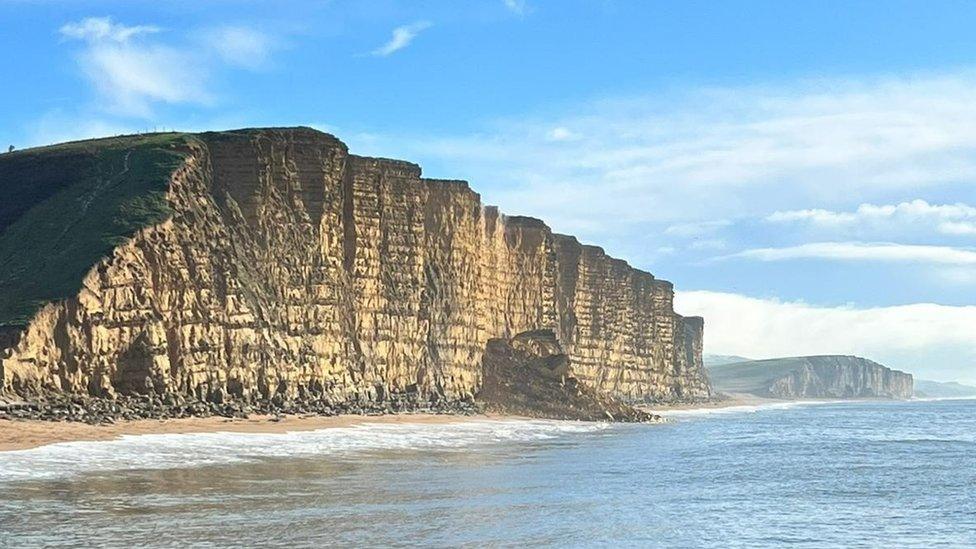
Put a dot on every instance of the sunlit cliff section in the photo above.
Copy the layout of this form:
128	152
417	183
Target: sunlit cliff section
255	263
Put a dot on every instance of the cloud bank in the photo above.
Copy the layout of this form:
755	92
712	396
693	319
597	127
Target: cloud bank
935	341
950	219
863	251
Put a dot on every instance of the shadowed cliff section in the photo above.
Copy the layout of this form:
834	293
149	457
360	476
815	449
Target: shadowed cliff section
272	265
530	375
829	376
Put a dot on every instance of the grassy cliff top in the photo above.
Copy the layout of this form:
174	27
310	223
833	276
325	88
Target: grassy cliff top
65	207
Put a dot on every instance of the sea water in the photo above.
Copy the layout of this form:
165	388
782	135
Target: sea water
859	474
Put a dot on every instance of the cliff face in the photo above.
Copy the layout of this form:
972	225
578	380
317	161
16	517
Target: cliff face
813	377
288	266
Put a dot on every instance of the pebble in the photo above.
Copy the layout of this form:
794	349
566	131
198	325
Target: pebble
95	410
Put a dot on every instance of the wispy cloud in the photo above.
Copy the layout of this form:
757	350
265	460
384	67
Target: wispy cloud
696	229
241	46
929	339
134	68
98	29
401	38
699	154
562	133
131	74
863	251
517	7
944	218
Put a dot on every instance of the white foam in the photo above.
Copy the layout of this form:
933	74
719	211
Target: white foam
744	408
939	399
166	451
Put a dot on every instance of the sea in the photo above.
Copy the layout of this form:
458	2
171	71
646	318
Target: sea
844	474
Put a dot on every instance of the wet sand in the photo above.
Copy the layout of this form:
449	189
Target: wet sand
25	434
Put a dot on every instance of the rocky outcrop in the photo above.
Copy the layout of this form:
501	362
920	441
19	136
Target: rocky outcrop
530	375
828	376
289	268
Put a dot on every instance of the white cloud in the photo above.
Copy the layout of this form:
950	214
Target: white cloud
241	46
131	75
695	155
402	37
958	228
98	29
517	7
696	229
708	244
863	251
562	134
917	214
932	340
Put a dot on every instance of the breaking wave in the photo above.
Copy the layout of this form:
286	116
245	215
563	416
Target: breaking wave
165	451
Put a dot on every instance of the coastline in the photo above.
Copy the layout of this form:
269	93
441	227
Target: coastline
25	434
28	434
20	434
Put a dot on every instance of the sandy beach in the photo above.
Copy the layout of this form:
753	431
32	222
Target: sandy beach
25	434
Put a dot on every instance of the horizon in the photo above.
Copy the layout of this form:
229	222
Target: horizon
805	196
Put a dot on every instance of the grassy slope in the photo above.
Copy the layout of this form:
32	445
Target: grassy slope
67	206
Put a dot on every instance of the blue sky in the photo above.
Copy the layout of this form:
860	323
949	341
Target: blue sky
803	171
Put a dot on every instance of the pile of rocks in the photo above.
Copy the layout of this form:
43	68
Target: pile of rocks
529	375
94	410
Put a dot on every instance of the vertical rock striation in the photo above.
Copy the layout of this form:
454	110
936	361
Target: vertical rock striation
289	266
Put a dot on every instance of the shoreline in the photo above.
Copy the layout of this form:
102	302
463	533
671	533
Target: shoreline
29	434
25	434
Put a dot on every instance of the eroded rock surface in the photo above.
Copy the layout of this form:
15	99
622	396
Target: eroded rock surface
291	269
530	375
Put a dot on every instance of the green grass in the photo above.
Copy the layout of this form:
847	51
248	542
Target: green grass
65	207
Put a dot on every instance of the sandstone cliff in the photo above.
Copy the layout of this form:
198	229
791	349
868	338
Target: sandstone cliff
273	262
812	377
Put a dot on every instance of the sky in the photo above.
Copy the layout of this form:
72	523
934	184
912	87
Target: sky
802	171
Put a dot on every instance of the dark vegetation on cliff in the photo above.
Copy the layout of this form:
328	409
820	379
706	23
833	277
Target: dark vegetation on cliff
827	376
67	206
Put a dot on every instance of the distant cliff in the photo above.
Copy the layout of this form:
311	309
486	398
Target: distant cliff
828	376
943	389
271	263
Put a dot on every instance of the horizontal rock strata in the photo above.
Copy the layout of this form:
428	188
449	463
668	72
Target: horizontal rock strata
290	267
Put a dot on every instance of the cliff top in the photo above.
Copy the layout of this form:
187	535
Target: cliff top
66	206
